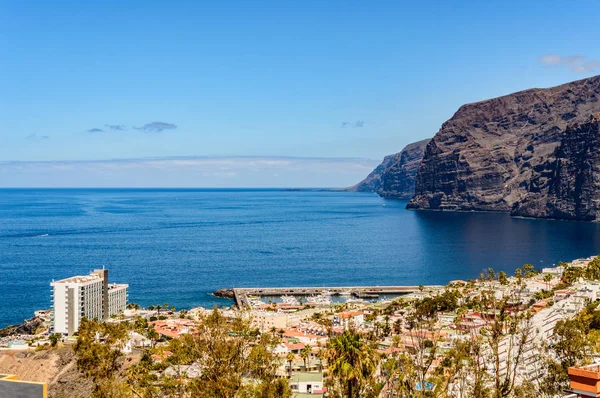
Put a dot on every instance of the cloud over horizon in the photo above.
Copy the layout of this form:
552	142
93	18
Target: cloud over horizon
156	127
94	130
192	171
576	63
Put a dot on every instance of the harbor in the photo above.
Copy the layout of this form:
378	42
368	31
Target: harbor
244	297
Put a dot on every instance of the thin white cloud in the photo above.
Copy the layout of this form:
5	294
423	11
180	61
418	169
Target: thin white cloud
156	127
118	127
35	137
576	63
188	172
356	124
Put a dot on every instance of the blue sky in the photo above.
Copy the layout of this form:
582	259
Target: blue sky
239	79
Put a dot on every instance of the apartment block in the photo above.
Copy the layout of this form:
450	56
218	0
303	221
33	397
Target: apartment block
89	296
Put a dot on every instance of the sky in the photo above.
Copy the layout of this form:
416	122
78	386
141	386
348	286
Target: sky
197	93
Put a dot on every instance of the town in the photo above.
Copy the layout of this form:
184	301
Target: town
532	334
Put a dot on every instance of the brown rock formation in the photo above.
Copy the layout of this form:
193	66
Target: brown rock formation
567	185
395	177
491	155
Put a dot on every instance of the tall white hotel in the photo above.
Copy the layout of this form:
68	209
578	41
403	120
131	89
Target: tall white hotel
89	296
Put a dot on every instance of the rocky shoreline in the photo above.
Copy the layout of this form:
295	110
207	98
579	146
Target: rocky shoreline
224	293
28	327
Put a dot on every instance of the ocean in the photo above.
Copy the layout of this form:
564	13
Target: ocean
179	245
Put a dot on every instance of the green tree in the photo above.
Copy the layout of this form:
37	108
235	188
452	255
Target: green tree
547	279
574	342
321	355
290	358
502	278
351	364
506	333
99	357
305	354
54	339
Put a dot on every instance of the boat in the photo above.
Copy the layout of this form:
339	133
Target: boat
318	300
355	300
255	301
289	300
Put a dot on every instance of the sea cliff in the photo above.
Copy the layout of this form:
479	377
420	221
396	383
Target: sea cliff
516	154
395	177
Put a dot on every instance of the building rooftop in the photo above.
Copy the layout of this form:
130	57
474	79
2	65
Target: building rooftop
302	377
79	279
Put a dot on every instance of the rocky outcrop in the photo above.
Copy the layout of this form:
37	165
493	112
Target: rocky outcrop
567	184
491	155
29	326
224	293
395	177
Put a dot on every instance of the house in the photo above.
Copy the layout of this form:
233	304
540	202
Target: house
307	383
173	328
135	340
348	320
304	336
192	371
294	346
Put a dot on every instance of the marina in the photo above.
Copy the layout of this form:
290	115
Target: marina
316	295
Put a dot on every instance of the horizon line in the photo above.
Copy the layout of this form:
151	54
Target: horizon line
188	157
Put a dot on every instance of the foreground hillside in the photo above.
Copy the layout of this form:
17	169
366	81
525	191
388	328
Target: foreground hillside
57	367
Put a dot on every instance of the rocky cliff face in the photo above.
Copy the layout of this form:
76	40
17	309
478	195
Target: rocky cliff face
395	177
567	184
496	154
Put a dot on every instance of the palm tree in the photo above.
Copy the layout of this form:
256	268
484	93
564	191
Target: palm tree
321	354
304	354
351	362
547	279
152	335
290	359
398	326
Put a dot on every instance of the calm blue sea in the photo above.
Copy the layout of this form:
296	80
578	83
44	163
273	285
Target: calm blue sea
179	245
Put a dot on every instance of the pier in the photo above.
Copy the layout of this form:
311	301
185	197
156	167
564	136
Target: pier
240	295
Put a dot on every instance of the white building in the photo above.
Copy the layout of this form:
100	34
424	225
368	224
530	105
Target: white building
307	383
87	296
349	320
117	298
265	321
